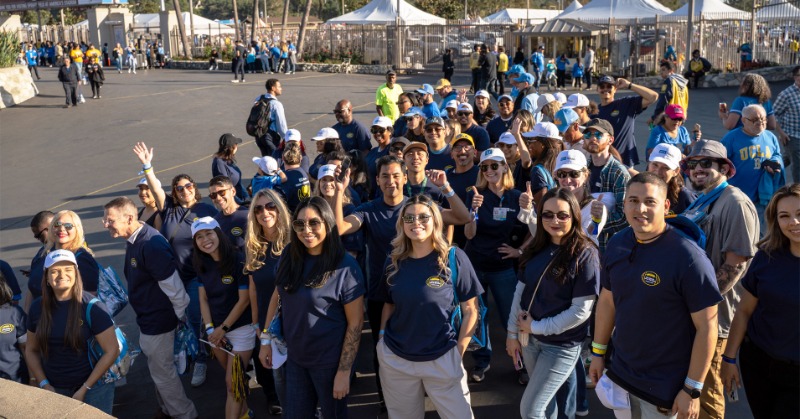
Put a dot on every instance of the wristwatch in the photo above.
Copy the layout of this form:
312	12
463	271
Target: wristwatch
692	392
225	328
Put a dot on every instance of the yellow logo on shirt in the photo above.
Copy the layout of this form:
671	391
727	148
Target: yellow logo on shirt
6	328
350	135
434	282
133	262
227	279
651	279
614	114
236	231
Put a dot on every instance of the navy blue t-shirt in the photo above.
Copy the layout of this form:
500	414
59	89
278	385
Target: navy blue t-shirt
540	179
148	260
64	366
378	222
480	136
11	279
685	198
583	280
177	228
318	162
621	113
426	188
234	226
775	322
264	280
497	219
87	266
353	242
220	167
37	273
419	329
314	321
461	184
372	167
354	136
654	298
521	177
14	326
399	127
497	126
222	291
440	160
296	188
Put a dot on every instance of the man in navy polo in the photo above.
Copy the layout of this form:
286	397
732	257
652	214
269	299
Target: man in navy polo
469	126
353	134
158	298
232	217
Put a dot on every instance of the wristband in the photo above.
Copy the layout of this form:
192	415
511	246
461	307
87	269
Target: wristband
510	335
450	194
520	251
44	383
86	386
630	85
596	220
209	325
209	331
693	384
147	166
599	346
598	355
266	342
729	360
380	333
446	185
598	352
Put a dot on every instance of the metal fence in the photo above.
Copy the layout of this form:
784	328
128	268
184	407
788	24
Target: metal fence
53	33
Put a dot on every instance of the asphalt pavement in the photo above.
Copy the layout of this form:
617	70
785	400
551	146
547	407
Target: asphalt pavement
80	158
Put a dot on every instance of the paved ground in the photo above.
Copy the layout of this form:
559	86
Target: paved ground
79	159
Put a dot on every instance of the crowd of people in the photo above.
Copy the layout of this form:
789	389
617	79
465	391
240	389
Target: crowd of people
532	202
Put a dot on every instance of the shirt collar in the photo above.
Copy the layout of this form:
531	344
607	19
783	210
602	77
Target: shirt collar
135	234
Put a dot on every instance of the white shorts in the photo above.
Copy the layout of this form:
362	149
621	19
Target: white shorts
242	338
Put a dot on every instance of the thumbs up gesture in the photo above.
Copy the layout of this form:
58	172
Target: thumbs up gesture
477	199
526	199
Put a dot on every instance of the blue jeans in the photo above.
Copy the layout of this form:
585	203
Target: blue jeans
195	319
291	65
310	387
571	397
101	396
502	285
537	78
548	366
265	64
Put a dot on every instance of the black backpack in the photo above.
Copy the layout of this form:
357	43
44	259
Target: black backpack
259	120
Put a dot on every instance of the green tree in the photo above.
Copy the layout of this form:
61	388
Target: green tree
146	6
29	16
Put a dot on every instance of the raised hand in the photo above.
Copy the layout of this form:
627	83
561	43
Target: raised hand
622	83
144	154
437	177
477	199
341	186
526	198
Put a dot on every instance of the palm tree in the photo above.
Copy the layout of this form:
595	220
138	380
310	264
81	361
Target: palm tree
303	23
182	28
255	21
235	19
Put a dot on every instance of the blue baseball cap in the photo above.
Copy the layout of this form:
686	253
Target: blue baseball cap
426	89
414	111
524	78
564	118
515	69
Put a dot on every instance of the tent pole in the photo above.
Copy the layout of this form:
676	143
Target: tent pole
689	34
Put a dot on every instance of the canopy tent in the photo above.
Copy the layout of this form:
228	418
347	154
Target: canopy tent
512	16
151	22
617	9
555	28
384	12
575	5
712	9
778	10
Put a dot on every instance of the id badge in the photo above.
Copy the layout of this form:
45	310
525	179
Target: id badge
499	214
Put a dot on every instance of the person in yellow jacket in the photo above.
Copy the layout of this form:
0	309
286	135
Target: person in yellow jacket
475	66
94	52
502	67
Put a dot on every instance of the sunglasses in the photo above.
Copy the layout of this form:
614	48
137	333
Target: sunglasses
572	173
67	226
189	186
422	218
221	193
409	118
299	226
561	215
704	163
596	134
269	206
378	130
676	119
396	149
38	236
493	166
432	129
463	113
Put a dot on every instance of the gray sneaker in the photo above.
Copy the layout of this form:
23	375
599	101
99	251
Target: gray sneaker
479	374
199	375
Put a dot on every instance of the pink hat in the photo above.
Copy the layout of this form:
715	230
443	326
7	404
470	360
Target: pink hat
674	111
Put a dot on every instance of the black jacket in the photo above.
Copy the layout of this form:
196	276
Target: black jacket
95	73
68	74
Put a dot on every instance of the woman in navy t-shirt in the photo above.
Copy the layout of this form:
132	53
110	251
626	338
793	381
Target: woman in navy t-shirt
321	290
224	164
224	303
268	234
59	331
326	189
558	283
419	350
665	161
767	319
13	334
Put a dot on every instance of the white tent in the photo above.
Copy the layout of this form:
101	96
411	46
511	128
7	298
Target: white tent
712	9
617	9
575	5
383	12
778	10
512	16
151	22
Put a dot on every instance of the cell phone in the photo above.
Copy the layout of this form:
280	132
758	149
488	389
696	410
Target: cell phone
733	395
344	168
771	163
518	365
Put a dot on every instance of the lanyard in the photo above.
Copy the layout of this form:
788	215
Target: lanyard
707	199
422	185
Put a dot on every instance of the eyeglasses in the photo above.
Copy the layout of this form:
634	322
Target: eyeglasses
42	232
530	140
758	120
422	218
299	226
561	174
597	135
108	221
189	186
506	103
704	163
377	130
493	166
432	129
463	113
269	206
67	226
463	147
676	119
561	215
221	193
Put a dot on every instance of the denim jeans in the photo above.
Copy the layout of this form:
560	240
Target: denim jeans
548	366
265	64
195	319
101	396
502	285
571	397
310	387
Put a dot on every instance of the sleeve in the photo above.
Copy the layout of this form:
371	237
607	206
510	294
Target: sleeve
538	180
159	259
605	280
741	228
352	281
218	167
11	280
382	289
363	142
280	118
768	108
379	97
101	320
468	286
33	315
652	141
578	312
511	326
781	104
616	221
737	106
361	212
698	283
750	278
20	324
173	288
89	269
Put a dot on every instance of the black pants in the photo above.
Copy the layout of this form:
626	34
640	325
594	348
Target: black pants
501	89
266	379
561	78
771	385
266	145
448	74
374	312
71	91
239	69
696	76
34	69
476	79
96	88
587	74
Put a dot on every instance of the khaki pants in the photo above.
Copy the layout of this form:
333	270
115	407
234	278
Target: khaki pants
712	400
405	384
169	389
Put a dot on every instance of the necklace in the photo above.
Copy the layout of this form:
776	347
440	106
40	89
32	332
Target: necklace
652	239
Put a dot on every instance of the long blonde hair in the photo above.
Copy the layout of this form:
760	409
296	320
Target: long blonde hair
453	129
77	243
507	181
255	243
401	245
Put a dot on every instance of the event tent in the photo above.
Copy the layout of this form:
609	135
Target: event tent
575	5
383	12
617	9
712	9
512	16
151	22
778	10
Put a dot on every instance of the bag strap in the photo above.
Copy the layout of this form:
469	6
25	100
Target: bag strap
451	260
541	278
89	306
177	226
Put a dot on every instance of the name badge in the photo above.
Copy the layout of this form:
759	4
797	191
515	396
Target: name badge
499	214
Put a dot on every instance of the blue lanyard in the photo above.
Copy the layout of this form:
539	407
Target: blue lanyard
707	199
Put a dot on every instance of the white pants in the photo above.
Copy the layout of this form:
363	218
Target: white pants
405	384
169	389
641	409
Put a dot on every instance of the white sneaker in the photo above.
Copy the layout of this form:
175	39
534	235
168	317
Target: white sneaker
134	71
129	71
234	81
82	99
199	375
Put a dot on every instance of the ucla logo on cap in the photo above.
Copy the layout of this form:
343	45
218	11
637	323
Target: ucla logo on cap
558	121
227	279
650	278
236	231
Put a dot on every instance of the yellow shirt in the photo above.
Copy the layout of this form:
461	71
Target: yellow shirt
387	98
76	55
473	60
94	52
794	46
502	62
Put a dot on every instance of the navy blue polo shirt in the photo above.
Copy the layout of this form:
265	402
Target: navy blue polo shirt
540	179
480	136
440	160
149	260
297	188
399	127
654	298
13	325
87	266
177	228
222	291
64	366
372	167
426	188
552	298
234	226
264	281
314	322
461	184
497	219
37	273
354	136
497	126
419	329
378	222
621	113
775	321
11	280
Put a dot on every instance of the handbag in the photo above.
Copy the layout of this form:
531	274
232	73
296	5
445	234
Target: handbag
275	330
524	337
480	338
126	355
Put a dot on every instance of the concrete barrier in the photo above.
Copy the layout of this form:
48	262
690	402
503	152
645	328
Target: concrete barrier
23	402
317	67
16	86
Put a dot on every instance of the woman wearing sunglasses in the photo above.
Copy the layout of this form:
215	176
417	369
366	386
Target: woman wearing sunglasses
665	161
671	131
178	210
495	205
544	143
419	350
321	292
59	331
268	234
558	283
326	189
572	174
524	122
224	304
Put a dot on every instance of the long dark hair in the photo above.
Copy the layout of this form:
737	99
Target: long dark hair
226	152
174	192
674	187
774	239
551	148
72	334
227	255
290	269
573	243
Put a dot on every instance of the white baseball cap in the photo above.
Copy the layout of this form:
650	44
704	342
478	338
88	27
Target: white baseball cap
465	107
544	129
142	181
507	138
493	154
576	100
382	121
267	164
293	135
561	97
59	255
483	93
324	133
544	100
204	223
451	104
327	170
667	154
570	159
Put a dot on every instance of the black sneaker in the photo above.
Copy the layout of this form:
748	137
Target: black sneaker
522	377
479	374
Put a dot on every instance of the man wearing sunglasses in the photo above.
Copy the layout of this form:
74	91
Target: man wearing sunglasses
720	210
469	126
502	122
438	150
569	125
445	91
232	217
462	176
353	134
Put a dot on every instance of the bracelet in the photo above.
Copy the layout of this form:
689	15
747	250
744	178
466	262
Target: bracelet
209	325
380	333
44	383
266	342
729	360
599	346
450	194
596	220
693	384
598	352
630	85
446	185
510	335
520	251
209	331
147	166
86	386
598	355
